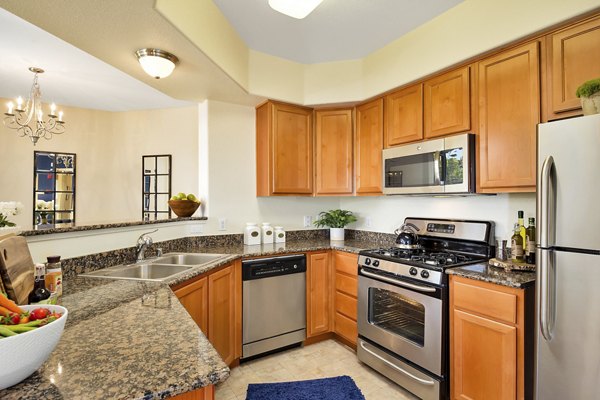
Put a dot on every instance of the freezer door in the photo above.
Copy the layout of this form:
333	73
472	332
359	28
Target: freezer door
573	183
568	364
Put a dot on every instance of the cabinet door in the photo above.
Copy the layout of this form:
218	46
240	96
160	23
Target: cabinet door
573	58
447	103
319	293
404	116
509	111
484	358
292	150
221	311
369	145
334	152
194	297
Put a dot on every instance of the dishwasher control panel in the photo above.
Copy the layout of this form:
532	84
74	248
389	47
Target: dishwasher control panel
273	266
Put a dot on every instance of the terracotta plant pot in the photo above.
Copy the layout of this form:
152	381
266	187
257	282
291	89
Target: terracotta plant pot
183	208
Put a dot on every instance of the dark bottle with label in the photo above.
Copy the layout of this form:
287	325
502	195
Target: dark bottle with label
39	294
530	246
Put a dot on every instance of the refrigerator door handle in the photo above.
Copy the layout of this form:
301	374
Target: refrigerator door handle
545	222
546	303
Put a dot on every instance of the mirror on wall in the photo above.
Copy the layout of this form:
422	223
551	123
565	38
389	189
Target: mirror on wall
156	187
53	189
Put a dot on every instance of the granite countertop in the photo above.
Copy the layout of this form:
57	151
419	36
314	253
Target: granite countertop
486	273
134	340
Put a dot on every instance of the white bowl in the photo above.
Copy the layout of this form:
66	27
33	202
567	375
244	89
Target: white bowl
24	353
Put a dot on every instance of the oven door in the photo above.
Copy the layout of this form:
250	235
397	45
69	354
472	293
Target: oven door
403	317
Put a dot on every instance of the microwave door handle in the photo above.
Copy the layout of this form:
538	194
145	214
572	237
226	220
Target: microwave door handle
436	168
442	167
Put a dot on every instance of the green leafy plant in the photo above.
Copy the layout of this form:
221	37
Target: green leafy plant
335	218
588	88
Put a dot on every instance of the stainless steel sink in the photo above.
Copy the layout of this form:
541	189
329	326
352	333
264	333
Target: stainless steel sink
145	271
157	269
188	258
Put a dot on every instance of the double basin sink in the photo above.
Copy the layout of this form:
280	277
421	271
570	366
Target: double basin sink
156	269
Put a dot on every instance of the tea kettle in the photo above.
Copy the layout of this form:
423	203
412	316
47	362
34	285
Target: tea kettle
407	237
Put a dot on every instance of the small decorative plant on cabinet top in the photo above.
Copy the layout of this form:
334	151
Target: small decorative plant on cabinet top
589	93
336	220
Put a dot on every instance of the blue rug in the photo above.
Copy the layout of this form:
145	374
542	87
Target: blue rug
338	388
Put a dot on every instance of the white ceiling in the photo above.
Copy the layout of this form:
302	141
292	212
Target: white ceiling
335	30
87	46
72	77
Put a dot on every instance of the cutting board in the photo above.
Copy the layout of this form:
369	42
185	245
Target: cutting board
16	268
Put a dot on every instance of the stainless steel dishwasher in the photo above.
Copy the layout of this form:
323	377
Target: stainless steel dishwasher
274	303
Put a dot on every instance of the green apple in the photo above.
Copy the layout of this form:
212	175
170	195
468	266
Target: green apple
174	198
181	196
191	197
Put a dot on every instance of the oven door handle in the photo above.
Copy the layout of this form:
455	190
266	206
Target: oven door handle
397	368
399	283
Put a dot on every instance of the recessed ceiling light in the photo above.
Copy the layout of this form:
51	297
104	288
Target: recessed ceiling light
295	8
157	63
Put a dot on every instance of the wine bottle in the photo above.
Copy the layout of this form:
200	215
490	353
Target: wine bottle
39	294
530	243
516	244
520	220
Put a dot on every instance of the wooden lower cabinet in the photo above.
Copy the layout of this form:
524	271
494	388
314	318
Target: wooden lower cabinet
490	341
214	301
318	294
205	393
346	294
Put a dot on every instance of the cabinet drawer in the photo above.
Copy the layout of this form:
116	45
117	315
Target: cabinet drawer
345	327
346	263
345	305
346	284
492	303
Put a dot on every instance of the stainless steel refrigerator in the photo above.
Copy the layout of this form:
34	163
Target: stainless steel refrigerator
567	364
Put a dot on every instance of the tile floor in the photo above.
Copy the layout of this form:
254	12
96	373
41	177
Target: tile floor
321	360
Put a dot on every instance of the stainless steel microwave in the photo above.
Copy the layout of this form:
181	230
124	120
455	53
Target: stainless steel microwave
444	166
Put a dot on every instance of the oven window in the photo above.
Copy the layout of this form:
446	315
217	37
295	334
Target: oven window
397	314
410	171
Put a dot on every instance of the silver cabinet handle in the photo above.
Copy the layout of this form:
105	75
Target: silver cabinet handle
399	283
543	268
397	368
436	168
545	223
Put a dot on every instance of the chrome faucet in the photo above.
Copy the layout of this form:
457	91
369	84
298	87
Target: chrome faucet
142	244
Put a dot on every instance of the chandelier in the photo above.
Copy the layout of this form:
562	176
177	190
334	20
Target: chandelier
29	120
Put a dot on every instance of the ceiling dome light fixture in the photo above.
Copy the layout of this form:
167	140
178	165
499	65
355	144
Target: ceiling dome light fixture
157	63
295	8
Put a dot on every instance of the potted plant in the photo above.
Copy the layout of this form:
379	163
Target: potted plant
589	93
336	220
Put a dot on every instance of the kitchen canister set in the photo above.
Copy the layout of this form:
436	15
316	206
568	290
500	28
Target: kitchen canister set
265	234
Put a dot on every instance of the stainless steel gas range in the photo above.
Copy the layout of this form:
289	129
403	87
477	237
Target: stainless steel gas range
403	324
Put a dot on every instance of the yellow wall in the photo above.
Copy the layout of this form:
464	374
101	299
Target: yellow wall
470	28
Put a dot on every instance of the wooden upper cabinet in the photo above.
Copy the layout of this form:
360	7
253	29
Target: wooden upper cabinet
447	103
319	294
333	151
404	116
284	150
573	58
509	111
368	148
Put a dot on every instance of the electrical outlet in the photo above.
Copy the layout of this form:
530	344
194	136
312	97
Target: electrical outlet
308	221
222	224
368	222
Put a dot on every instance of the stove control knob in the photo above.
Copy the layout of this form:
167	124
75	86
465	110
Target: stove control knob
376	263
367	261
413	271
424	274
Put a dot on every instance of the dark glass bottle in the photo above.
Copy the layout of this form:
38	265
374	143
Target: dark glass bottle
530	246
39	294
